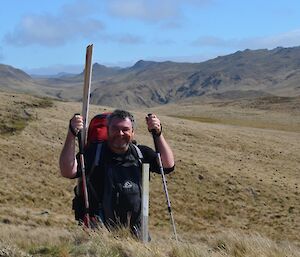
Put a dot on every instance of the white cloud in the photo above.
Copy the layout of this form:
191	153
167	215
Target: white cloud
212	41
127	39
151	10
55	69
54	30
288	39
79	8
143	10
164	42
170	25
74	21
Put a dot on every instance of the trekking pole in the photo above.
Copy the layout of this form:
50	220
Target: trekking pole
164	182
86	219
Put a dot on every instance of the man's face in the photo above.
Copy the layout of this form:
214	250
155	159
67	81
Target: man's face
120	134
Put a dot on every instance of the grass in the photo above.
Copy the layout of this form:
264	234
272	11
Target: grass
253	123
43	102
234	191
13	125
199	119
79	243
16	115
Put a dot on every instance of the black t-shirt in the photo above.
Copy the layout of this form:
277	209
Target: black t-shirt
95	172
149	156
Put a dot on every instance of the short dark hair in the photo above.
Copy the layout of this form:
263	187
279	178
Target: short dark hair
121	114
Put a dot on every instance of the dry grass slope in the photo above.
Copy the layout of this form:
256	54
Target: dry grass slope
60	243
235	191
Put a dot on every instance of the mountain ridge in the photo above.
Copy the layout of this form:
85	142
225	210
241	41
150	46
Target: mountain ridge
149	83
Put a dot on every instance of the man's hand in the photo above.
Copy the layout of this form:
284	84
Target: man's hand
154	125
76	124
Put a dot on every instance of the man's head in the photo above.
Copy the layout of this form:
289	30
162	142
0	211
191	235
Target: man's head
120	129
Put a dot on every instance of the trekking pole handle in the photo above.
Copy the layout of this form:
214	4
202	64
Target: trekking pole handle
153	132
79	135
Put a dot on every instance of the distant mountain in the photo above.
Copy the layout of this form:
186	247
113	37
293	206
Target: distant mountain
10	73
248	73
100	71
16	80
12	79
58	75
243	73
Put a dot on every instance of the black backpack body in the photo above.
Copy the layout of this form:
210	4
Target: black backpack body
114	187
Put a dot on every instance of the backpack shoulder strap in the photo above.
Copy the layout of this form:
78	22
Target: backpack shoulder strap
98	154
96	163
96	159
138	153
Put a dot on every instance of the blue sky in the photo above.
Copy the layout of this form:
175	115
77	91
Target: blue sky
46	37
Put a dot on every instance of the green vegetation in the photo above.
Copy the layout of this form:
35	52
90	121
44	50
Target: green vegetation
43	102
15	116
15	124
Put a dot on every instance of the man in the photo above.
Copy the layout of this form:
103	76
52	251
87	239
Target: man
115	182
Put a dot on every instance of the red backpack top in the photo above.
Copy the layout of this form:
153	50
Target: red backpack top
97	131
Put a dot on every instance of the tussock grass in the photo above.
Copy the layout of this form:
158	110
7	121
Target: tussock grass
251	245
7	250
80	243
226	177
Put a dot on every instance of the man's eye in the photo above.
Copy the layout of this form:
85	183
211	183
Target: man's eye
124	130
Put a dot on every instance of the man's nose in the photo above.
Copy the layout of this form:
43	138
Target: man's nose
120	132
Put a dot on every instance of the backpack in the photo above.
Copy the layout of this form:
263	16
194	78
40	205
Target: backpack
112	194
97	131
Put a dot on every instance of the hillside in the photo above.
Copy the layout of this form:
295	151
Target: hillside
237	169
12	79
16	80
154	83
244	74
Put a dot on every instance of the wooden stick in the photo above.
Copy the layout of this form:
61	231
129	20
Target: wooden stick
86	91
83	132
